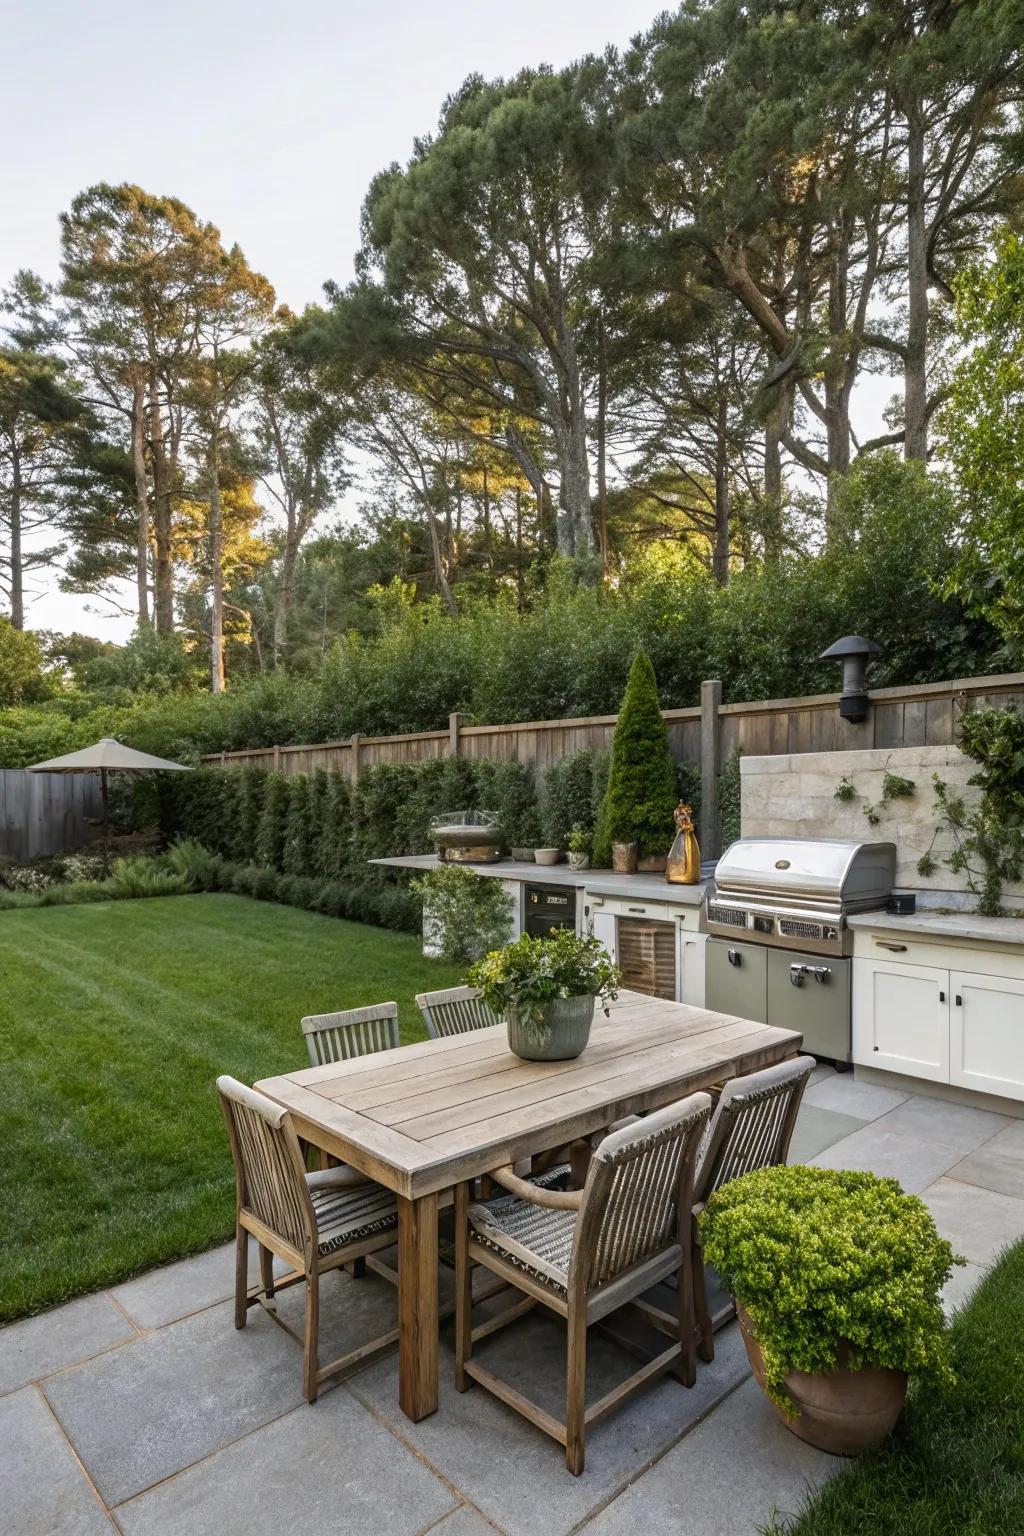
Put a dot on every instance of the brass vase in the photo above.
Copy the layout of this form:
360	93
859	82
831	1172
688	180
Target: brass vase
683	864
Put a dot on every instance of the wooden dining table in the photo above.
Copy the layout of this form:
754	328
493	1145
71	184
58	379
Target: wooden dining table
425	1117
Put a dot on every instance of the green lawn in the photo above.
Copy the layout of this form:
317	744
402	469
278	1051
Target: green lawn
115	1020
955	1466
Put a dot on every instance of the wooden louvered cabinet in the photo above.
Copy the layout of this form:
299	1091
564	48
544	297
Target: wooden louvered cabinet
657	945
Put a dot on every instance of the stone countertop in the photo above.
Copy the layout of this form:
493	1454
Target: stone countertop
950	926
603	882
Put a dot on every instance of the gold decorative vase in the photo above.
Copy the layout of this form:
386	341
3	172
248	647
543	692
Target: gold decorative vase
683	864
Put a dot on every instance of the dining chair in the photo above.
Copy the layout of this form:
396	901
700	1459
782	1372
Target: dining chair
333	1037
582	1254
454	1011
314	1221
752	1127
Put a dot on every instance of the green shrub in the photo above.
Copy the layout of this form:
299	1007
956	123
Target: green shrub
202	869
297	856
517	981
273	827
464	913
729	806
642	792
142	876
335	836
573	791
824	1260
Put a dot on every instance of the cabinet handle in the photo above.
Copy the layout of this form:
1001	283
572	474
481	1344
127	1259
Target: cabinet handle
942	997
959	1000
897	949
636	909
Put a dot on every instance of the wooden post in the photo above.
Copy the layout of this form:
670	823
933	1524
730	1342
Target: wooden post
354	741
277	759
710	753
454	727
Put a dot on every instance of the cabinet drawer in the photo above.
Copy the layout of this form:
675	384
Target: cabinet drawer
655	911
944	953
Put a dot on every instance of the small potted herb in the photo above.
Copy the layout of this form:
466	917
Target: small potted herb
578	844
838	1280
545	990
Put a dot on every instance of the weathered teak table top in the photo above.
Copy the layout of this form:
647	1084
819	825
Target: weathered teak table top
423	1118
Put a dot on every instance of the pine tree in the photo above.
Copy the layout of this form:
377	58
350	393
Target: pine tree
296	856
641	794
337	829
251	795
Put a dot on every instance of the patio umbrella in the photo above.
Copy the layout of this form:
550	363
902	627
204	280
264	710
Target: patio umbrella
103	757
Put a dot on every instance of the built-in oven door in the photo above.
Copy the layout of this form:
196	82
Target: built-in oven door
811	993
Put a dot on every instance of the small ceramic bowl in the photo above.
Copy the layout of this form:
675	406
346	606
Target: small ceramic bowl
547	855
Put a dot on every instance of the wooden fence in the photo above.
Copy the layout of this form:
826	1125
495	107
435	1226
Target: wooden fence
45	813
921	714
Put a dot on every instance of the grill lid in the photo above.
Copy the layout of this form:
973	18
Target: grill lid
809	867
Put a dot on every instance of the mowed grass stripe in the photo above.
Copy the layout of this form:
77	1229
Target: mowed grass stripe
114	1021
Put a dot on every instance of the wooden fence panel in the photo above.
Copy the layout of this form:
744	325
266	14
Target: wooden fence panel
46	813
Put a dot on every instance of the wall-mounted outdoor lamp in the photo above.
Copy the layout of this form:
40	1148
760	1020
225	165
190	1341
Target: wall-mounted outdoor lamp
853	653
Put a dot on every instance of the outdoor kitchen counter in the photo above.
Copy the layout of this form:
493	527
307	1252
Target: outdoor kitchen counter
602	882
950	927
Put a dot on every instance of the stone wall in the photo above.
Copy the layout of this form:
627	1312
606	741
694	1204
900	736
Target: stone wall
795	796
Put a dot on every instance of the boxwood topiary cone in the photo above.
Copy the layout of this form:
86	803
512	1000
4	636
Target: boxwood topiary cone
641	797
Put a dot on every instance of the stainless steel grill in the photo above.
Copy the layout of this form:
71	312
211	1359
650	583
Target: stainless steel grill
796	893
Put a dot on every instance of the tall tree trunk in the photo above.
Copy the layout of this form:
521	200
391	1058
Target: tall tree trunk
17	561
721	549
520	584
602	436
488	554
916	379
775	426
163	565
141	495
216	567
837	405
285	589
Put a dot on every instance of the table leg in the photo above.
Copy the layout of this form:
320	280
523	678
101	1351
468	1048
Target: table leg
417	1306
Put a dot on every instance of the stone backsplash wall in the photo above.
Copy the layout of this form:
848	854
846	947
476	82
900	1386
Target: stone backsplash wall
795	796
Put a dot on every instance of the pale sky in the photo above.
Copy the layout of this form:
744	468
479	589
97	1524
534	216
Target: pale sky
267	119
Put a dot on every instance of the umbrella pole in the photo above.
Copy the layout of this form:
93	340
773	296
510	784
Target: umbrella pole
106	822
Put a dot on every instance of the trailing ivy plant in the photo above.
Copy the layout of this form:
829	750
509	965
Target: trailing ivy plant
845	790
832	1267
988	834
894	787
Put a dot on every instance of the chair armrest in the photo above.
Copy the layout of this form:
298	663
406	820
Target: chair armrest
551	1199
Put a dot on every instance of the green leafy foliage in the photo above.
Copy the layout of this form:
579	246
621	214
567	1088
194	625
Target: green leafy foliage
729	792
464	913
832	1264
642	790
987	831
23	677
518	980
894	787
574	788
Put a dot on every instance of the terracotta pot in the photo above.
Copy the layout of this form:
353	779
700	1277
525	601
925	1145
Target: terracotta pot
624	858
654	864
563	1034
841	1411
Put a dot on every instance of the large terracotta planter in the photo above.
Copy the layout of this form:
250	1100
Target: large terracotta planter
566	1030
841	1411
624	858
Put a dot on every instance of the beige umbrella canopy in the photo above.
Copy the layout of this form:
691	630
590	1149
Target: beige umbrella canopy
103	757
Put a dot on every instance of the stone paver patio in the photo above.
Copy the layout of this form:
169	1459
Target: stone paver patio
140	1410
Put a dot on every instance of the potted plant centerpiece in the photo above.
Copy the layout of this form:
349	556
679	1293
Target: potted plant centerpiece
838	1278
546	990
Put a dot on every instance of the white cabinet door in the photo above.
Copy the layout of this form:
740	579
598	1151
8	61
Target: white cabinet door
901	1018
986	1033
690	964
604	929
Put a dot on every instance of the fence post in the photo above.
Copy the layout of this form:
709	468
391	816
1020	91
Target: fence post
277	759
354	741
454	728
710	754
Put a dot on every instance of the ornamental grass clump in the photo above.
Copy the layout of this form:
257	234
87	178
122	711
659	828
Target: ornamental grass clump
518	981
834	1268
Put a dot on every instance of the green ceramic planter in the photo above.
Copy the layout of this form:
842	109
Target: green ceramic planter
566	1030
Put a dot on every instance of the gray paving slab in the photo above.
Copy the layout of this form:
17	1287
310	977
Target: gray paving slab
978	1222
148	1410
891	1155
961	1285
724	1479
42	1490
330	1467
1011	1139
463	1522
818	1128
163	1295
36	1346
955	1125
841	1091
990	1168
514	1473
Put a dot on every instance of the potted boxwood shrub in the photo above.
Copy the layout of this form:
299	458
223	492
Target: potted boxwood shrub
545	990
837	1277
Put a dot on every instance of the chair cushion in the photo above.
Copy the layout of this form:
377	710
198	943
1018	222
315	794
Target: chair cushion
534	1239
347	1214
